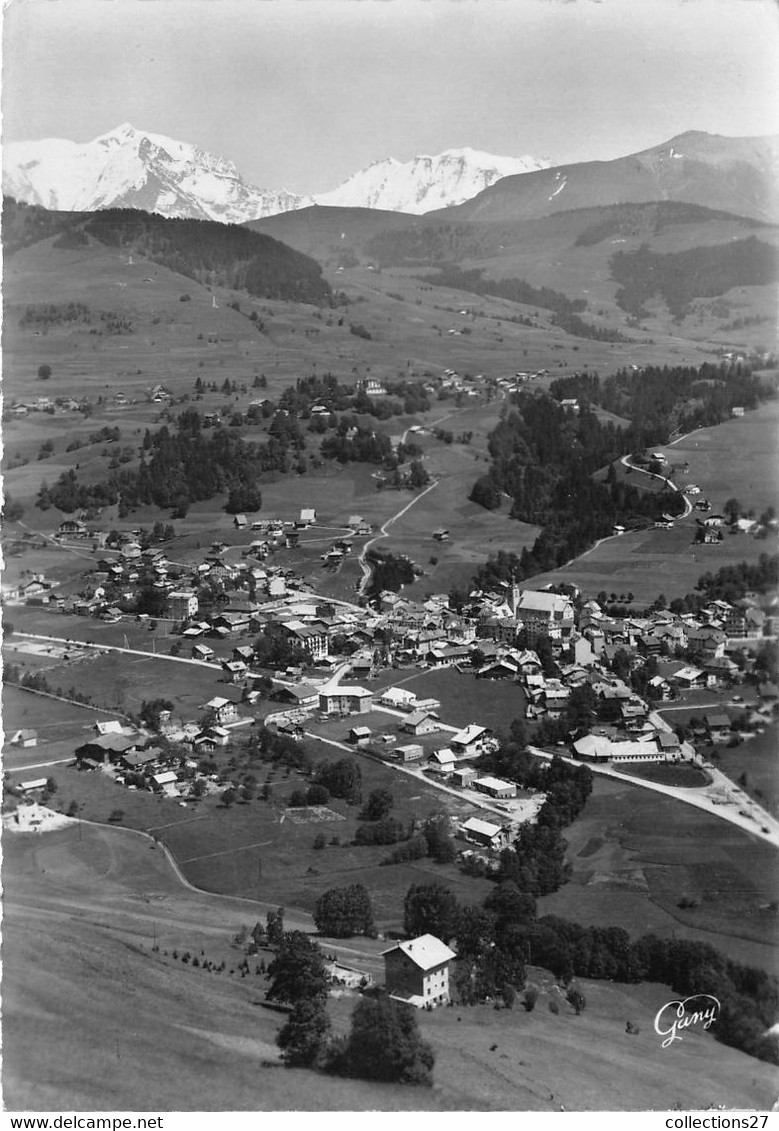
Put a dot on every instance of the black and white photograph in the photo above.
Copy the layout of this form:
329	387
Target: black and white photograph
390	579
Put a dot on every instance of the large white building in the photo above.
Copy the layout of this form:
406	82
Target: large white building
543	613
417	971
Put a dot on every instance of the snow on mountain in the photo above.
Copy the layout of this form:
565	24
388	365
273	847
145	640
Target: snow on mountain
130	168
426	182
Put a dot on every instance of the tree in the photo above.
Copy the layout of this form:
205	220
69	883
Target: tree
151	710
430	909
44	372
439	841
509	905
344	912
731	510
384	1043
297	973
274	922
576	1000
303	1038
417	476
378	805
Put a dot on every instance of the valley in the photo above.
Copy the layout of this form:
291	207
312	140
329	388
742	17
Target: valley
289	605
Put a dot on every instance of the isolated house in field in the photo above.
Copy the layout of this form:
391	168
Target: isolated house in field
417	971
202	652
25	737
307	516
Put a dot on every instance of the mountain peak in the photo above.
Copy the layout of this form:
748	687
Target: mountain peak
427	181
132	168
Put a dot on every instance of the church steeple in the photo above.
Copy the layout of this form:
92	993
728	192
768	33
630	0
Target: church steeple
514	595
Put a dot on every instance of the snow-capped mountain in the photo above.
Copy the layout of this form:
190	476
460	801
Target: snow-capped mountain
130	168
425	182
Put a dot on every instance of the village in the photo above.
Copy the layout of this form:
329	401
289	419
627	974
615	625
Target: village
590	685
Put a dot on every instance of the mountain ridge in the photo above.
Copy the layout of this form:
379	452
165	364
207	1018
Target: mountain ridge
131	168
733	174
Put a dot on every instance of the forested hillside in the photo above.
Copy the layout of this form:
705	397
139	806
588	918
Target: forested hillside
544	456
226	255
702	272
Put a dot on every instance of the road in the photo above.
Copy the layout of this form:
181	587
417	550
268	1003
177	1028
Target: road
366	570
475	799
699	797
625	461
117	648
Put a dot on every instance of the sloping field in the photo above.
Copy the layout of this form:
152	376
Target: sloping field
737	459
636	854
95	1020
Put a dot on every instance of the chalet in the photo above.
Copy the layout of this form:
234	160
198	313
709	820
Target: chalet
107	748
211	738
345	700
484	833
35	785
232	623
690	678
234	670
25	737
469	742
240	521
360	735
303	695
504	668
165	782
495	787
442	761
398	698
417	971
202	652
441	535
223	710
668	744
718	727
307	516
142	759
71	528
420	722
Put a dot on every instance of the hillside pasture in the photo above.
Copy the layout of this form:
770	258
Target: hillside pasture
193	1040
636	854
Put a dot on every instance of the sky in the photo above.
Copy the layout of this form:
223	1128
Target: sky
302	93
